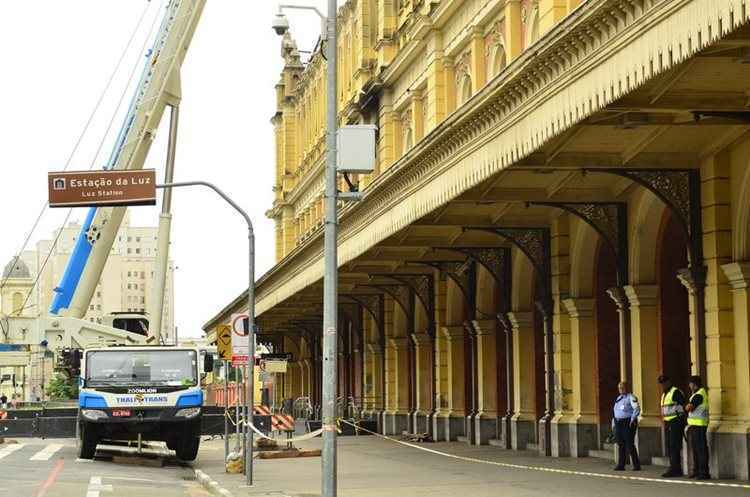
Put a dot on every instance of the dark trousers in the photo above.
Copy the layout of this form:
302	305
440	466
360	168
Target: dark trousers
675	430
625	437
699	446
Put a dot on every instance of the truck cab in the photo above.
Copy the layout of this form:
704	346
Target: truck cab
146	393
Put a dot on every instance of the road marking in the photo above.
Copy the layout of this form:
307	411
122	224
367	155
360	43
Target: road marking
95	486
46	453
10	449
546	469
50	479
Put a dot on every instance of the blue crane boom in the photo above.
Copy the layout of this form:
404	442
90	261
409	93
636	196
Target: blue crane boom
158	87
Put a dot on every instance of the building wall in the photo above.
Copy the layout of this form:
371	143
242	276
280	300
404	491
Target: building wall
127	280
424	70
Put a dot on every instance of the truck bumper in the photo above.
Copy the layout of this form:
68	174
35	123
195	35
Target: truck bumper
151	424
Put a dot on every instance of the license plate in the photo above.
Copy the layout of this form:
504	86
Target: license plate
121	413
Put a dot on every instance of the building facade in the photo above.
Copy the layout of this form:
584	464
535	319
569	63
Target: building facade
562	201
126	282
125	286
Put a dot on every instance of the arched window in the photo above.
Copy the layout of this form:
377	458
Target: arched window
408	139
17	304
464	89
532	25
499	60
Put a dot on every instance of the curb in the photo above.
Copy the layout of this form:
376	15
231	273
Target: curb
211	485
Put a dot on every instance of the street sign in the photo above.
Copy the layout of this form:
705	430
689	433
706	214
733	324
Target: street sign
102	188
240	339
224	342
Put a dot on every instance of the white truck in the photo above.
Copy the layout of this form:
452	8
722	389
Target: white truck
146	393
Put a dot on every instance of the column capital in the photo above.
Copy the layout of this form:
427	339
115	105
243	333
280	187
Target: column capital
476	31
374	348
453	332
738	274
397	342
619	296
642	295
693	279
484	326
521	319
421	339
579	307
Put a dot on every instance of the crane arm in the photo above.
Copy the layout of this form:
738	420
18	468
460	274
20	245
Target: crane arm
159	86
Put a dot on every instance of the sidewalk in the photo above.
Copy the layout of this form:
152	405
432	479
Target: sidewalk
372	467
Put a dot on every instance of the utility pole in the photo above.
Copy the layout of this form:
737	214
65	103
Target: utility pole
330	280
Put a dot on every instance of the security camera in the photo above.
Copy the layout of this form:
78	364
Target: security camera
280	24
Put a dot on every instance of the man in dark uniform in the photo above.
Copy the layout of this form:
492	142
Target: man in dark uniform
673	414
697	409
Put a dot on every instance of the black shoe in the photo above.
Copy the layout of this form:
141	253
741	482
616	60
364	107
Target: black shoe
619	468
671	474
636	468
703	477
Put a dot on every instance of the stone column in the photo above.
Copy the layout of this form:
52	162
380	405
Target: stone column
306	378
559	404
736	460
456	357
424	380
485	420
720	328
434	98
513	36
644	321
617	294
523	423
583	420
478	60
449	83
550	12
375	374
397	393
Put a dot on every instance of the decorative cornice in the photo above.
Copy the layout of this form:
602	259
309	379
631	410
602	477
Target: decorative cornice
529	103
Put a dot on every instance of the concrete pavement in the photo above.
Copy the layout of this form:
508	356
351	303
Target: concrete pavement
49	468
372	467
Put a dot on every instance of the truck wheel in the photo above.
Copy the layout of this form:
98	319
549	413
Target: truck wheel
187	450
86	444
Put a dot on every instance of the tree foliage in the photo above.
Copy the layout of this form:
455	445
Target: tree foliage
60	387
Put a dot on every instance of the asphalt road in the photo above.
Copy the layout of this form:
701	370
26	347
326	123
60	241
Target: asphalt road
50	468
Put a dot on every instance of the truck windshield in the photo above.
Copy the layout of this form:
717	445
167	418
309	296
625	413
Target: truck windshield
141	367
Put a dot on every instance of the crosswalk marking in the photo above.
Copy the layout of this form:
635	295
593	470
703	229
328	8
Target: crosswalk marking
6	451
46	453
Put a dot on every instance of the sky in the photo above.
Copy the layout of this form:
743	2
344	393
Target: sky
57	58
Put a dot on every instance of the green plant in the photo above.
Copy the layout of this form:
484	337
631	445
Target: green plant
60	387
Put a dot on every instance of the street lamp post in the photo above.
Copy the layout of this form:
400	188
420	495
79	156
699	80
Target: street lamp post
250	398
330	279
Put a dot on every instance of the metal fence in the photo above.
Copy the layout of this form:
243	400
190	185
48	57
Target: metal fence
57	422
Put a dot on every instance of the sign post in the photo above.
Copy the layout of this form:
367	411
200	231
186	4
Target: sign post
240	339
250	307
102	188
224	342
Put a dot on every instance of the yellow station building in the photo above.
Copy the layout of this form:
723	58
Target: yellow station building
561	201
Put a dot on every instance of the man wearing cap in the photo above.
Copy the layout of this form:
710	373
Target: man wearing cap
673	414
625	425
697	409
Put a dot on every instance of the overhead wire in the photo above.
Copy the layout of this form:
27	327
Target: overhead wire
78	142
131	77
